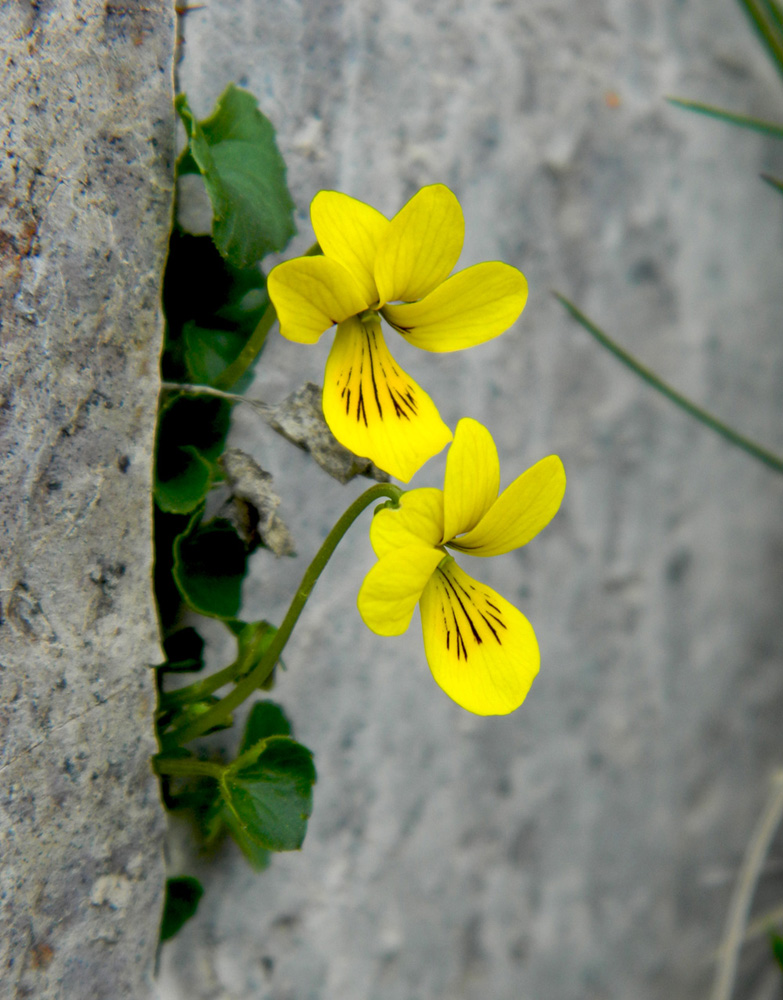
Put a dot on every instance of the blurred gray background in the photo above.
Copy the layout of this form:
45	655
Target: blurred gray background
583	848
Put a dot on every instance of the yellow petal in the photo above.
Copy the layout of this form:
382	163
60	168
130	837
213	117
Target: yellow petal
311	294
472	478
481	650
393	586
473	306
421	245
348	231
418	519
374	408
519	513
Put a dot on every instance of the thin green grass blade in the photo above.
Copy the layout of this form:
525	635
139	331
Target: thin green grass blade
756	124
762	454
775	13
768	29
773	182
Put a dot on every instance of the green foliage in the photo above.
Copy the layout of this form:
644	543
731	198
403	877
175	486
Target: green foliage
262	800
187	479
182	898
212	309
209	352
221	820
271	796
235	152
209	566
184	651
217	316
191	435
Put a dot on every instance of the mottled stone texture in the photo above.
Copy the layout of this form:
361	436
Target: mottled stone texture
583	848
85	201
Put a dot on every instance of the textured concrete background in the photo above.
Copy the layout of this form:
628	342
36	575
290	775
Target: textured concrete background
85	204
583	848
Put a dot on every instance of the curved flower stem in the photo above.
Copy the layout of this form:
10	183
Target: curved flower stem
250	351
264	667
762	454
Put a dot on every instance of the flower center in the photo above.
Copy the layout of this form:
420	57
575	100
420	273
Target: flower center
369	317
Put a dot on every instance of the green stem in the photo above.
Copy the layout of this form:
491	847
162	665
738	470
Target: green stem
264	667
183	767
201	689
767	457
252	348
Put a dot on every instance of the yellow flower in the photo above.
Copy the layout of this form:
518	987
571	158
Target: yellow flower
481	650
372	267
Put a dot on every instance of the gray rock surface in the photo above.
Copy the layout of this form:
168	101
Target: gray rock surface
87	136
583	848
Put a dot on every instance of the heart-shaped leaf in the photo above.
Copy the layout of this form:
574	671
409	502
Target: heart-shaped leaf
272	796
209	566
244	174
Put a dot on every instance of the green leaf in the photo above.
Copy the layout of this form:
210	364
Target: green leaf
264	720
185	163
755	124
191	435
209	352
209	566
183	894
223	819
182	479
216	820
202	288
199	421
184	651
244	174
190	438
271	798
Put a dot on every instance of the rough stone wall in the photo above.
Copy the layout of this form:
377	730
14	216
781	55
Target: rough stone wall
583	848
87	132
